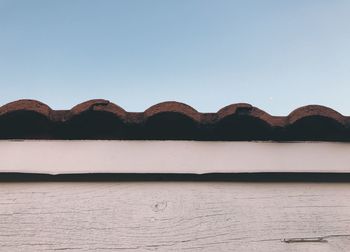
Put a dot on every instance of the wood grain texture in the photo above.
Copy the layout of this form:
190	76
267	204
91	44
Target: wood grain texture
174	216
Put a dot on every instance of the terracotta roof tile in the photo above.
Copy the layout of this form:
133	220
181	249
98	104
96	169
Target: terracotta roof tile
101	119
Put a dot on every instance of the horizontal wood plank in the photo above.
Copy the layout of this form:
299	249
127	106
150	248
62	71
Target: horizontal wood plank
174	216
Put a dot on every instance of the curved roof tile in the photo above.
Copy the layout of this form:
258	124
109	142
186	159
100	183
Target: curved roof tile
172	107
315	111
26	105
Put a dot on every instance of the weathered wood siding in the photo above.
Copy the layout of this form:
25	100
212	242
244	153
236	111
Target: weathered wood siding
174	216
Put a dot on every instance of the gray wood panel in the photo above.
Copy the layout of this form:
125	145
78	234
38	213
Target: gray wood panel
174	216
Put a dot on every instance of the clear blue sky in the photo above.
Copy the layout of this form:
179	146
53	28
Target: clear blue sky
276	55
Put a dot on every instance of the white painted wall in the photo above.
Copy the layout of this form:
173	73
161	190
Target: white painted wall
172	156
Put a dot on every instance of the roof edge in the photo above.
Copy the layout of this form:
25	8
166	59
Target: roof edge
102	119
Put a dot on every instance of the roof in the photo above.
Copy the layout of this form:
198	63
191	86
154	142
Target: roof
101	119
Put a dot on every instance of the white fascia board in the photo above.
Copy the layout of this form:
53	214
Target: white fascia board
198	157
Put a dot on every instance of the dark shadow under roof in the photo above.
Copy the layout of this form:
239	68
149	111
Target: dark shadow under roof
101	119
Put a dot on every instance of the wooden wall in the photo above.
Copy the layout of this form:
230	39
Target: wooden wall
174	216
